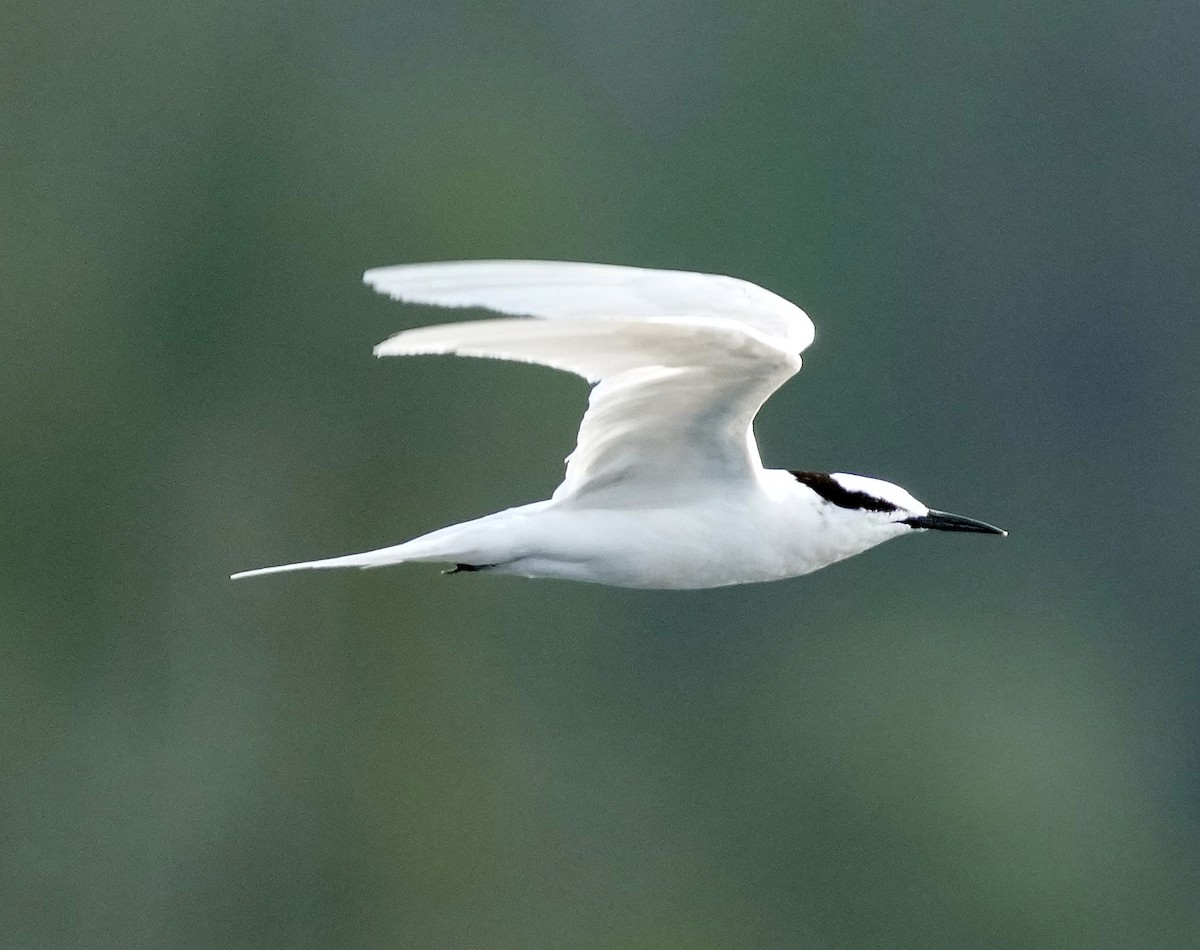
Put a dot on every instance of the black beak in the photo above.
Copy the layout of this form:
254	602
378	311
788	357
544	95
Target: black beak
944	521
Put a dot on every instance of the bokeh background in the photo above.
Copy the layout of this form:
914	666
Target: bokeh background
990	210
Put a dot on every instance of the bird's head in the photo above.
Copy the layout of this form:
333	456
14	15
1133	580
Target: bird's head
889	507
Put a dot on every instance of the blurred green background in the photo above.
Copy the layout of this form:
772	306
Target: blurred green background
990	211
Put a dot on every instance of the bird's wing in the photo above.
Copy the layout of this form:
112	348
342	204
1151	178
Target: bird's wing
681	361
556	290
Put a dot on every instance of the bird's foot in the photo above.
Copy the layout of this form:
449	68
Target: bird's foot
459	568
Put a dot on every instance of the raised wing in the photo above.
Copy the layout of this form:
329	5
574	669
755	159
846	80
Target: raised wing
565	290
677	387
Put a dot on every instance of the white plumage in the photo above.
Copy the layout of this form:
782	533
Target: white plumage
665	487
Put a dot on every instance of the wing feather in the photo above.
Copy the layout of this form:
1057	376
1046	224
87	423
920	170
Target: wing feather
567	290
681	362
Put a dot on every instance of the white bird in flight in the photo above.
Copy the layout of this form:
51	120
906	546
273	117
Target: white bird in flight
665	488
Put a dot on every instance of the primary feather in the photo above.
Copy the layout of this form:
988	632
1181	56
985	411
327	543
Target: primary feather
567	290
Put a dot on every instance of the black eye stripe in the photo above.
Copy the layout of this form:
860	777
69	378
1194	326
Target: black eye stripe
829	488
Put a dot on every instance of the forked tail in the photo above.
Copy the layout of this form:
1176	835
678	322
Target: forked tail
368	559
474	543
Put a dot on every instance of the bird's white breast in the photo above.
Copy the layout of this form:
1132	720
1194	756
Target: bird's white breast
731	535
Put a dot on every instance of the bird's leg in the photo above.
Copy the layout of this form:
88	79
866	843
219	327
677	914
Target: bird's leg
459	568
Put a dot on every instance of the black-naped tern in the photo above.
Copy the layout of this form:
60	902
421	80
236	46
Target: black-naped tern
665	488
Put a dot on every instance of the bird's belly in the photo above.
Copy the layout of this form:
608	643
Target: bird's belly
674	548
